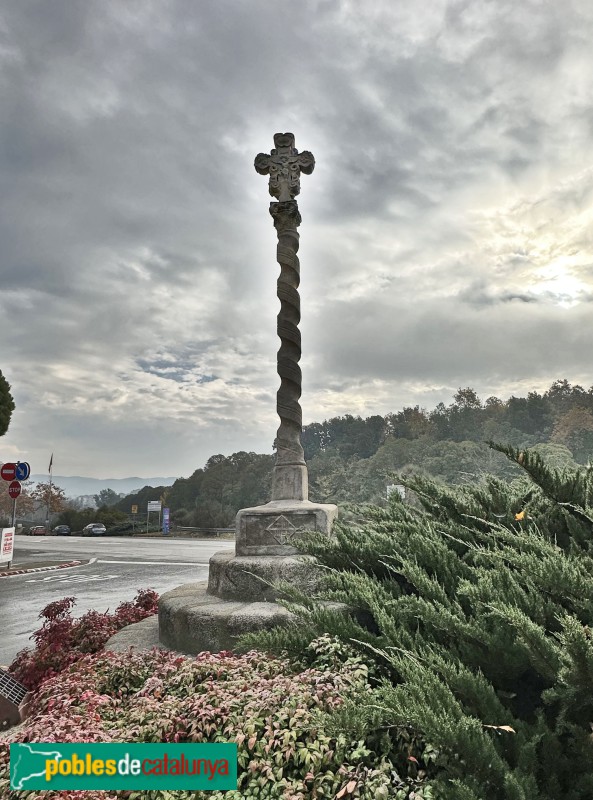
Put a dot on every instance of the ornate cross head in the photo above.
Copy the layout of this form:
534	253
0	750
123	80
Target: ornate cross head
284	166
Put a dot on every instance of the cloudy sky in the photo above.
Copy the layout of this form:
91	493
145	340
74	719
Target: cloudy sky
447	235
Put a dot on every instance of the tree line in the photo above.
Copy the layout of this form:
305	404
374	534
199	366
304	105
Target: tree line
351	459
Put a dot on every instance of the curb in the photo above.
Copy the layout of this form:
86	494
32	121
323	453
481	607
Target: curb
7	574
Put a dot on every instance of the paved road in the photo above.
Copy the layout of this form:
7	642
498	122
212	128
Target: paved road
117	569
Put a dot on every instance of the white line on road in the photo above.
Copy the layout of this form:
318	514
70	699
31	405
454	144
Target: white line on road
157	563
72	579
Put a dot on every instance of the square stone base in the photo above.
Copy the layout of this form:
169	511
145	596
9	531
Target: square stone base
272	530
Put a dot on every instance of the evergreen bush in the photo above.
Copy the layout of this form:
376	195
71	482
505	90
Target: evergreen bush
476	613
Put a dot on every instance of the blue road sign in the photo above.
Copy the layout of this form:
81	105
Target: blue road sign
22	471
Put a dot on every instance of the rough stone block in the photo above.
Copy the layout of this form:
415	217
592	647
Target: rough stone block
142	635
239	595
290	482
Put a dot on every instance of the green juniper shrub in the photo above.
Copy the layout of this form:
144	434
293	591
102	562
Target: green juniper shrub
475	612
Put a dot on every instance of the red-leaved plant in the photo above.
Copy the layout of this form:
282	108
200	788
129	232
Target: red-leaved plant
274	713
63	640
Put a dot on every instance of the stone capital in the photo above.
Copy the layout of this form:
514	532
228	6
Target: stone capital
286	216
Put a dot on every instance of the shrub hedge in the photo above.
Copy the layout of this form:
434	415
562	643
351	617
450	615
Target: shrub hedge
476	611
275	713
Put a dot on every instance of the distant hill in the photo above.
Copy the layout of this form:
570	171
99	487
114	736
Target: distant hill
75	485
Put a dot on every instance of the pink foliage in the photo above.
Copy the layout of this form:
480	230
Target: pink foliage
273	710
63	640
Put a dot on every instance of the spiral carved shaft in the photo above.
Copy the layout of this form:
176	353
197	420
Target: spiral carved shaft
289	449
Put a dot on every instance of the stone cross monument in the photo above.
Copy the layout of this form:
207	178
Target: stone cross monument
258	530
241	590
284	166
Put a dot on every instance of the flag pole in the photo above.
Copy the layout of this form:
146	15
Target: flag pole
51	461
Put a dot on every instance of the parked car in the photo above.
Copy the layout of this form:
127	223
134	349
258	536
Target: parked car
37	530
94	529
61	530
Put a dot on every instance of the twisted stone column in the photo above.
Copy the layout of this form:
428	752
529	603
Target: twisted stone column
290	472
284	166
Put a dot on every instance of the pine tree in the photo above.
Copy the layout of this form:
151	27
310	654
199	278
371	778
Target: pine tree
6	404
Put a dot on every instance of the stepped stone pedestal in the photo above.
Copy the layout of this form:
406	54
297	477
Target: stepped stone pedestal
239	596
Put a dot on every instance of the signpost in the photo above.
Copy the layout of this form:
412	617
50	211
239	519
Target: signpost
6	545
13	473
153	505
165	520
22	471
8	471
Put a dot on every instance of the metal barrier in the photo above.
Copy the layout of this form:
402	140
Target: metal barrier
216	531
12	694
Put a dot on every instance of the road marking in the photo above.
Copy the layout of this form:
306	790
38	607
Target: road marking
72	579
157	563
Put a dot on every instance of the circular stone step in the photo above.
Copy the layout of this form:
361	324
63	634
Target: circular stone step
191	620
254	578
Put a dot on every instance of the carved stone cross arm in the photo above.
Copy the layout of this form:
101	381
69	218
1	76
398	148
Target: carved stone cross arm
284	166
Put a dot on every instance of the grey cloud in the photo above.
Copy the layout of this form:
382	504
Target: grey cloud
137	279
479	294
438	340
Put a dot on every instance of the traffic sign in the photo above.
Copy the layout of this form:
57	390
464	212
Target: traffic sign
14	489
8	471
6	545
22	471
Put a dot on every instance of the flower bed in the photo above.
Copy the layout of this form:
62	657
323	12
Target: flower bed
275	714
63	640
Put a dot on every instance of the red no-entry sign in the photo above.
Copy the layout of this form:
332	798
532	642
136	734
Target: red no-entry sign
14	489
8	471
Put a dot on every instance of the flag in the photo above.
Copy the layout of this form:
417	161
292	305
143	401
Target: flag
50	462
